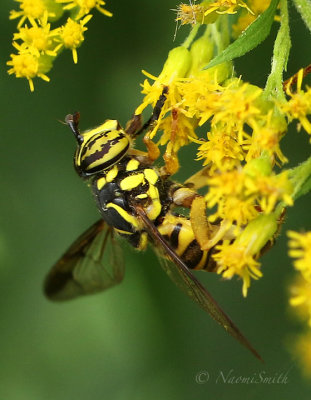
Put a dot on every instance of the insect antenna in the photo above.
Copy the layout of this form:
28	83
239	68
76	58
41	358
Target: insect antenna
72	120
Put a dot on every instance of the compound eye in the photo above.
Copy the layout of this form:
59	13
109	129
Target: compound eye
102	150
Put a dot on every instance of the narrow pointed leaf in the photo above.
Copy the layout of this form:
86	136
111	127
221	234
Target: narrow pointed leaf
249	39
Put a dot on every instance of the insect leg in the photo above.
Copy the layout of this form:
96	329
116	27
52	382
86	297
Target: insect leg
189	198
156	111
135	126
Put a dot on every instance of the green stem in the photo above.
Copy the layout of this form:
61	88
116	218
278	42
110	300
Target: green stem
304	9
189	39
220	33
274	86
217	38
208	32
224	25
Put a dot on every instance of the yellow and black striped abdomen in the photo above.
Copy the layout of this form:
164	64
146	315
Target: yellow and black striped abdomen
177	231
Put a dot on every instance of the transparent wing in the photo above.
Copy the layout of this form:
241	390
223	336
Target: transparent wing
186	281
93	263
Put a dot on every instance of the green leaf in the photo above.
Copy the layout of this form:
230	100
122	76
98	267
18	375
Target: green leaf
249	39
304	8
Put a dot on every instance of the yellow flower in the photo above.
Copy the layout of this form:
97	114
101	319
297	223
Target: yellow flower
227	191
177	129
38	38
200	97
30	9
299	104
300	347
234	260
238	106
301	298
240	194
236	210
225	184
240	256
269	190
71	35
226	7
221	150
300	248
85	6
29	66
266	136
232	106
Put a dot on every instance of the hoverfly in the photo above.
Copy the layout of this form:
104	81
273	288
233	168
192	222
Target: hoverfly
136	201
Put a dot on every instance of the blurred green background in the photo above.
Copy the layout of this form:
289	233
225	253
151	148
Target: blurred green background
144	338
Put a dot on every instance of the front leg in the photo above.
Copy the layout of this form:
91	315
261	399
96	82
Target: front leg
135	126
189	198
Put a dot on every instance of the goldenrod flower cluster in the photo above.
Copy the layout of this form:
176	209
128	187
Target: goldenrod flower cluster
242	145
246	192
39	40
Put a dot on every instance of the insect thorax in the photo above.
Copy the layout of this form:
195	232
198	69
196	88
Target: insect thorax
126	184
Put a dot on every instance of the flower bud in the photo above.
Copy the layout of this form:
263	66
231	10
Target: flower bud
218	73
259	166
257	233
201	53
176	66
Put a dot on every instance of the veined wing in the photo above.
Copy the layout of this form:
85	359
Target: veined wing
92	263
180	274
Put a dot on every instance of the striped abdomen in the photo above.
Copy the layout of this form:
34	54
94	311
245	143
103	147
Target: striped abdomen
177	231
